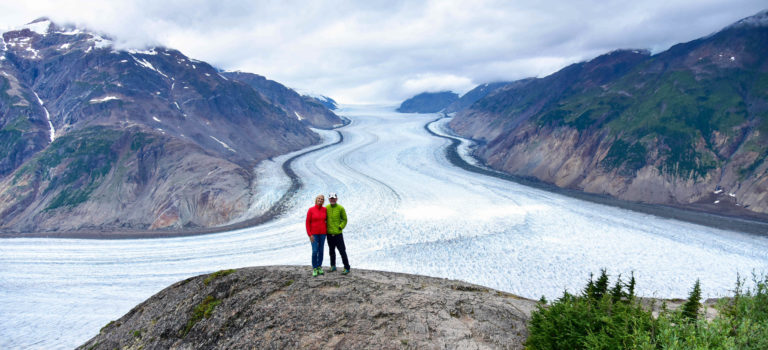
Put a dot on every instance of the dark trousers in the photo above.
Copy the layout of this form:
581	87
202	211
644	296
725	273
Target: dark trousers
337	241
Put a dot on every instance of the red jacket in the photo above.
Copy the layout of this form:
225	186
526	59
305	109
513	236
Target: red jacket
316	216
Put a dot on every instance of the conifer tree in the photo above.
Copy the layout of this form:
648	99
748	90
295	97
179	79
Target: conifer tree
631	287
601	285
691	307
617	291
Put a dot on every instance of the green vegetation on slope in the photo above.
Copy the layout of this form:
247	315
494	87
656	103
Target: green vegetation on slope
77	163
612	318
673	111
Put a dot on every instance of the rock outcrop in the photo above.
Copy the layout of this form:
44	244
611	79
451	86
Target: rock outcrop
281	307
685	127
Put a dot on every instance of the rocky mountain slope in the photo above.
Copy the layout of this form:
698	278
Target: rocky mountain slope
428	102
307	109
103	139
284	307
687	127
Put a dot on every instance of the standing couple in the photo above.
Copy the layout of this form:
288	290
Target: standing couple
322	221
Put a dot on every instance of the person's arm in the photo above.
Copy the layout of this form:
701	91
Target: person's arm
309	214
343	222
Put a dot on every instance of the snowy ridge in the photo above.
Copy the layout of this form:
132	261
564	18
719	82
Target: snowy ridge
47	116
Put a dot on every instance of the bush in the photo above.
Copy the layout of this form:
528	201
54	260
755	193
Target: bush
596	319
612	319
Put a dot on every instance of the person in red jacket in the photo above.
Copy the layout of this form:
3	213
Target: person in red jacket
316	230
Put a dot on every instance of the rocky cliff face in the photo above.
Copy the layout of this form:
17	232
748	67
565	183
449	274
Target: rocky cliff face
428	102
687	126
99	138
284	307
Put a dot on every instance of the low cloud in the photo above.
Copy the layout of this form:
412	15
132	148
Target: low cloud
386	51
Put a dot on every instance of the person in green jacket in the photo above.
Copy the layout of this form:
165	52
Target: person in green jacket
337	220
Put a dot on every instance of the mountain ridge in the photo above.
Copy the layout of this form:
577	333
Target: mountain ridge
428	102
684	127
147	128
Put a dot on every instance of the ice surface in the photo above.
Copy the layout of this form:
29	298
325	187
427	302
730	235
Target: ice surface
410	211
298	116
156	119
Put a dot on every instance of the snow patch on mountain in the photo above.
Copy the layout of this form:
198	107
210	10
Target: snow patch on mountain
223	144
47	116
150	52
146	64
40	26
100	42
104	99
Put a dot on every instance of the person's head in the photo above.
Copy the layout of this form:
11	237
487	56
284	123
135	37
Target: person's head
320	199
332	198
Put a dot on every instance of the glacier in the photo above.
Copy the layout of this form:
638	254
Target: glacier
410	211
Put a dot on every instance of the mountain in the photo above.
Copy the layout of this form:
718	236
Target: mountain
324	100
428	102
306	109
279	307
473	95
685	127
95	138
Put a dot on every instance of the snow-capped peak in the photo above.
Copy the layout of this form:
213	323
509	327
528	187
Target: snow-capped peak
39	26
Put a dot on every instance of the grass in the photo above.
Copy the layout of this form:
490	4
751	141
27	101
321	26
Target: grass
203	310
217	274
628	158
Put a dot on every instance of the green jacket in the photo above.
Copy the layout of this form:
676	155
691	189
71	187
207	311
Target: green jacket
337	218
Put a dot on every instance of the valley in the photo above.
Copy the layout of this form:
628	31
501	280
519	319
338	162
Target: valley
410	210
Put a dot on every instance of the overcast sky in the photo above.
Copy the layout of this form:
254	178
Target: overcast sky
386	51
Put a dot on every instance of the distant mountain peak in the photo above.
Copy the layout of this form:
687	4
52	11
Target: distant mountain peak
758	20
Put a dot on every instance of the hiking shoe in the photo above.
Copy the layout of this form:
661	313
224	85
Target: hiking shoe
346	271
320	271
333	269
314	272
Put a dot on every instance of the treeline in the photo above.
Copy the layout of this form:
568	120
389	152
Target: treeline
605	316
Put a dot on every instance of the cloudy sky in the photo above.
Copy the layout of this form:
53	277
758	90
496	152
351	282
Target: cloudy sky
385	51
